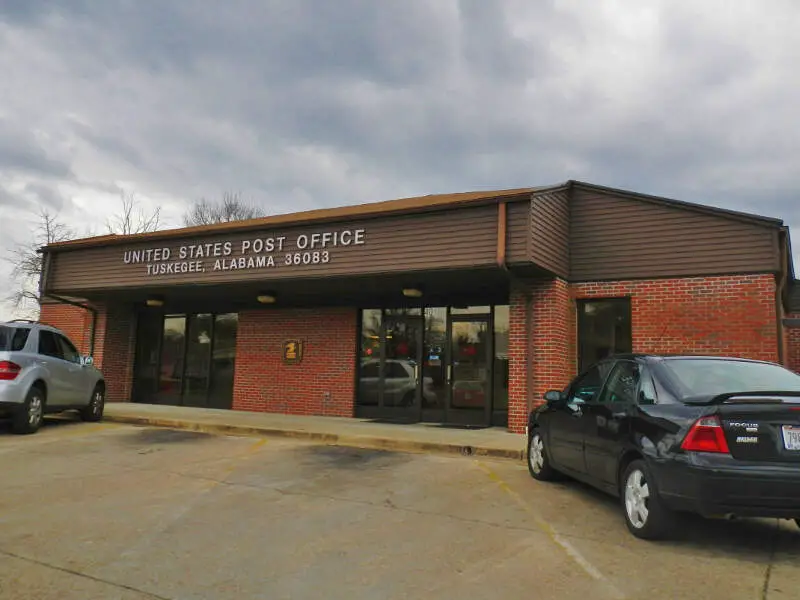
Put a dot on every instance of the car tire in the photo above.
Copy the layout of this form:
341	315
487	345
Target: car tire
29	418
93	412
538	461
646	515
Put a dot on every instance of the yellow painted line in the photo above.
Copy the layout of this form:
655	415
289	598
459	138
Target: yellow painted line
551	533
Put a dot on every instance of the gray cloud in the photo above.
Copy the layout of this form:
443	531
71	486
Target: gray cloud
308	103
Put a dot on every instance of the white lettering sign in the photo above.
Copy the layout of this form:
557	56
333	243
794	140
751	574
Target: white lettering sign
258	253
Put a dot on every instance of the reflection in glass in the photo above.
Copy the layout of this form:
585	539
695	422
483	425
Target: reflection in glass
469	341
434	370
146	375
604	328
401	369
223	360
470	310
198	357
500	375
369	358
171	368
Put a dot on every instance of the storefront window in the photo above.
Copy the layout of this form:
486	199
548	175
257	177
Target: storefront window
434	359
370	358
470	310
198	356
170	383
604	328
195	355
223	360
501	337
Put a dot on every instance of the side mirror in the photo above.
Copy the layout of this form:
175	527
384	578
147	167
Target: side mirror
87	361
553	396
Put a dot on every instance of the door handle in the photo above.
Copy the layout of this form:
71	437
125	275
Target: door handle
449	373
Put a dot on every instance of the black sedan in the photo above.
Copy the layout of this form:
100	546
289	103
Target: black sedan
671	434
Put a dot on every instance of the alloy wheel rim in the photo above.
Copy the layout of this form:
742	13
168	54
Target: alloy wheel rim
637	494
536	453
97	402
35	410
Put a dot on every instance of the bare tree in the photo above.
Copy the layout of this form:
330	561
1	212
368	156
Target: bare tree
230	208
26	261
132	218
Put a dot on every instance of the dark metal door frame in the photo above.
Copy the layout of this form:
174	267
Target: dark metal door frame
452	414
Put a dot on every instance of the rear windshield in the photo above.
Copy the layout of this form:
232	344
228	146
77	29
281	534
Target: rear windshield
701	377
12	339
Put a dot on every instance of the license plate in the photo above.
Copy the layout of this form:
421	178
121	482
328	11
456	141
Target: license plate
791	437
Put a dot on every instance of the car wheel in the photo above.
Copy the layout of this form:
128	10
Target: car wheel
645	513
538	461
94	410
29	418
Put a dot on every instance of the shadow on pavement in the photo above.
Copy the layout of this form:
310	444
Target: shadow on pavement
741	538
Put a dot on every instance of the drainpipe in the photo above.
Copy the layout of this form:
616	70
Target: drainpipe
780	292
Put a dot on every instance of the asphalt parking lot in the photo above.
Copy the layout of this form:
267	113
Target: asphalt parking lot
106	511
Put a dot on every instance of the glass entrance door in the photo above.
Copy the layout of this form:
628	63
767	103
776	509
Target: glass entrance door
470	371
402	367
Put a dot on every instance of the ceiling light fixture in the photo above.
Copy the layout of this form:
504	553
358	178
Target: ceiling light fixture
266	298
412	292
155	301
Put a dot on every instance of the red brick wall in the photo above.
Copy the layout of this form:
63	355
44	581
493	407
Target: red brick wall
518	360
733	315
711	315
114	330
263	382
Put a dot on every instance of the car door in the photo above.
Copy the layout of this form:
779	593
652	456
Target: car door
80	379
608	422
567	420
51	358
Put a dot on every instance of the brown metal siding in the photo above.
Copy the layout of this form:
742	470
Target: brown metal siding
449	239
619	238
550	227
517	232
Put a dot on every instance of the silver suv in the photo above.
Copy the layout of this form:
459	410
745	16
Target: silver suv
42	372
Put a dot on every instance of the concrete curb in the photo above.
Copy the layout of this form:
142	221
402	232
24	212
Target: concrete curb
333	439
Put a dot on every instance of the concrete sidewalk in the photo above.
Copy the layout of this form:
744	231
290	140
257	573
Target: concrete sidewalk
493	442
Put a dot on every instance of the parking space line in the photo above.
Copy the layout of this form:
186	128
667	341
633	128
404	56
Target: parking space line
554	536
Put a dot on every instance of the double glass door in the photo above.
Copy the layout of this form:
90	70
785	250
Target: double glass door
426	365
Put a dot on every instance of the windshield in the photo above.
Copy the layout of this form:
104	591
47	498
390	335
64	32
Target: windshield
710	377
12	339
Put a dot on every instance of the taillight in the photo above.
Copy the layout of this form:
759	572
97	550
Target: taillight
9	370
706	435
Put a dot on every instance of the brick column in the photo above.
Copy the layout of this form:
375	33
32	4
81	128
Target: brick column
518	360
541	348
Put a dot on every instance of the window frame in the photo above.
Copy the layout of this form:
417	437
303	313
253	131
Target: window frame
580	303
66	344
44	333
602	397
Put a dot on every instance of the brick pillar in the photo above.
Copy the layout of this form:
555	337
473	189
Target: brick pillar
518	360
541	347
115	350
551	340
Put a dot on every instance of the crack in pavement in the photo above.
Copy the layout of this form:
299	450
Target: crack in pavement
772	555
120	586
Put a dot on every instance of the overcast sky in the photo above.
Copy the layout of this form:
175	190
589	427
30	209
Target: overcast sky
308	103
